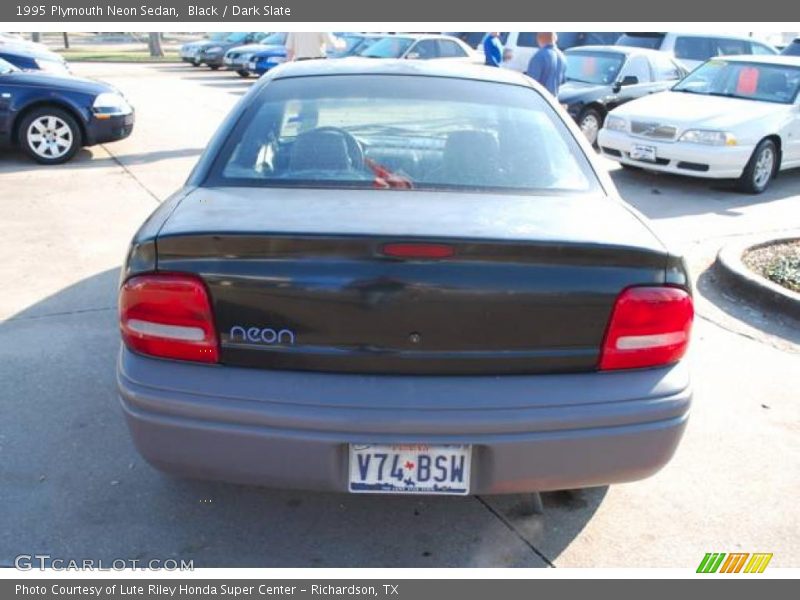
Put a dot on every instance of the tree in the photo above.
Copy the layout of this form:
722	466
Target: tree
66	40
36	37
154	45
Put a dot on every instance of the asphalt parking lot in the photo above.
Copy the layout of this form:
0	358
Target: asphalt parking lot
72	485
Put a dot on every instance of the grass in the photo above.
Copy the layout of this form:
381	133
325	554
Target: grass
76	55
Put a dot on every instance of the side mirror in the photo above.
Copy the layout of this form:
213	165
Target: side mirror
625	81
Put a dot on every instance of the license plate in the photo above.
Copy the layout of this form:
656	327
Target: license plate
646	153
410	469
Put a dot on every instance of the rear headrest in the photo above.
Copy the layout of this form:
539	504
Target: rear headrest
320	150
471	156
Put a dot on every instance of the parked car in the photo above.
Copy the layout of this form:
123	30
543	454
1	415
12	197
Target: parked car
403	277
521	46
792	48
213	54
50	117
733	117
354	44
238	58
421	46
190	51
600	78
693	49
33	59
268	58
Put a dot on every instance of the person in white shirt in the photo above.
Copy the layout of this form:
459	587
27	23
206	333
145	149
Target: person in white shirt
304	46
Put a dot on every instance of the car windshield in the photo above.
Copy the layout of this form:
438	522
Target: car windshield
641	40
750	81
792	49
6	67
388	47
352	43
594	67
402	132
273	39
237	37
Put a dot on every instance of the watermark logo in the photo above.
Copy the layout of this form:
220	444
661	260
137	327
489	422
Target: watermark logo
734	562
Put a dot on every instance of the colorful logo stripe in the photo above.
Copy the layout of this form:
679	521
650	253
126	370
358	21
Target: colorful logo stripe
734	562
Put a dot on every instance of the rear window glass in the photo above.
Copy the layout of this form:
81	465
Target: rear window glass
402	132
694	48
641	40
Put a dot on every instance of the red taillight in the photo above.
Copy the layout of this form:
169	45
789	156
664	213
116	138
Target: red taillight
168	315
649	326
418	250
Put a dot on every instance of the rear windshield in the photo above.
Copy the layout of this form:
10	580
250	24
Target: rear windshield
388	47
402	132
641	40
749	81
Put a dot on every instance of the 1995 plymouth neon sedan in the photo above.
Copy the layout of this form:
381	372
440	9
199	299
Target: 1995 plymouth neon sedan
402	277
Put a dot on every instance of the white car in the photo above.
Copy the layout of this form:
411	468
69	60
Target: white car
692	49
731	118
415	46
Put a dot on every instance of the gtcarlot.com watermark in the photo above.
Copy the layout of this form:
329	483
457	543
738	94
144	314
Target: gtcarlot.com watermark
31	562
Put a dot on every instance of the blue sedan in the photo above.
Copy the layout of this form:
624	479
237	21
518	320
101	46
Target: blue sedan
50	117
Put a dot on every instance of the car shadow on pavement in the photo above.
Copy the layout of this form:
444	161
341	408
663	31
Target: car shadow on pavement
88	158
662	195
74	486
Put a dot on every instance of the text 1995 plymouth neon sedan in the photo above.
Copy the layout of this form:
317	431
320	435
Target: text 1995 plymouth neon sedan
402	277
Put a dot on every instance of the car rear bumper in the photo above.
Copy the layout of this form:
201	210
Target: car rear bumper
680	158
292	429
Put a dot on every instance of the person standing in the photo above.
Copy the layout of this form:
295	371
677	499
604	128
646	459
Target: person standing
305	46
548	66
493	49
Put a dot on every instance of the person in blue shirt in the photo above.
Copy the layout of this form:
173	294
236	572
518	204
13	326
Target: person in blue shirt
493	49
548	66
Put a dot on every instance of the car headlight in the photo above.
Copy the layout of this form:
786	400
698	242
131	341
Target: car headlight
110	104
708	137
616	123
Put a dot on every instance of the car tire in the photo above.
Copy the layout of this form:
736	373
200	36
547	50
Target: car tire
214	67
195	63
243	73
49	135
590	121
760	169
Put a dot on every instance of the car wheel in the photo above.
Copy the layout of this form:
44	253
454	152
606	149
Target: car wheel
49	135
214	67
196	63
243	73
760	168
590	123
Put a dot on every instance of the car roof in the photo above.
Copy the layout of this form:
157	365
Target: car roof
627	50
776	59
357	65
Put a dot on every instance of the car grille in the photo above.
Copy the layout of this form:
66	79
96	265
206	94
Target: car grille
656	131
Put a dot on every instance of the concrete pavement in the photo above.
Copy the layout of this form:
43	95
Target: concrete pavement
71	484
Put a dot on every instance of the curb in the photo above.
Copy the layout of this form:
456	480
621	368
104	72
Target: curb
760	290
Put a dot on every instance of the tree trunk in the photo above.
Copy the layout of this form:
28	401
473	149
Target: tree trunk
36	37
154	44
66	40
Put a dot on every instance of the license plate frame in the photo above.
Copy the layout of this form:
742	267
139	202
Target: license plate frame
369	473
644	153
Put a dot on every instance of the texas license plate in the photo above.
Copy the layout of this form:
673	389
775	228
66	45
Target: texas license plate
410	469
646	153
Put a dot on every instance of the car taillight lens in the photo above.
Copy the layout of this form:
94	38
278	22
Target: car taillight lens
168	315
649	326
